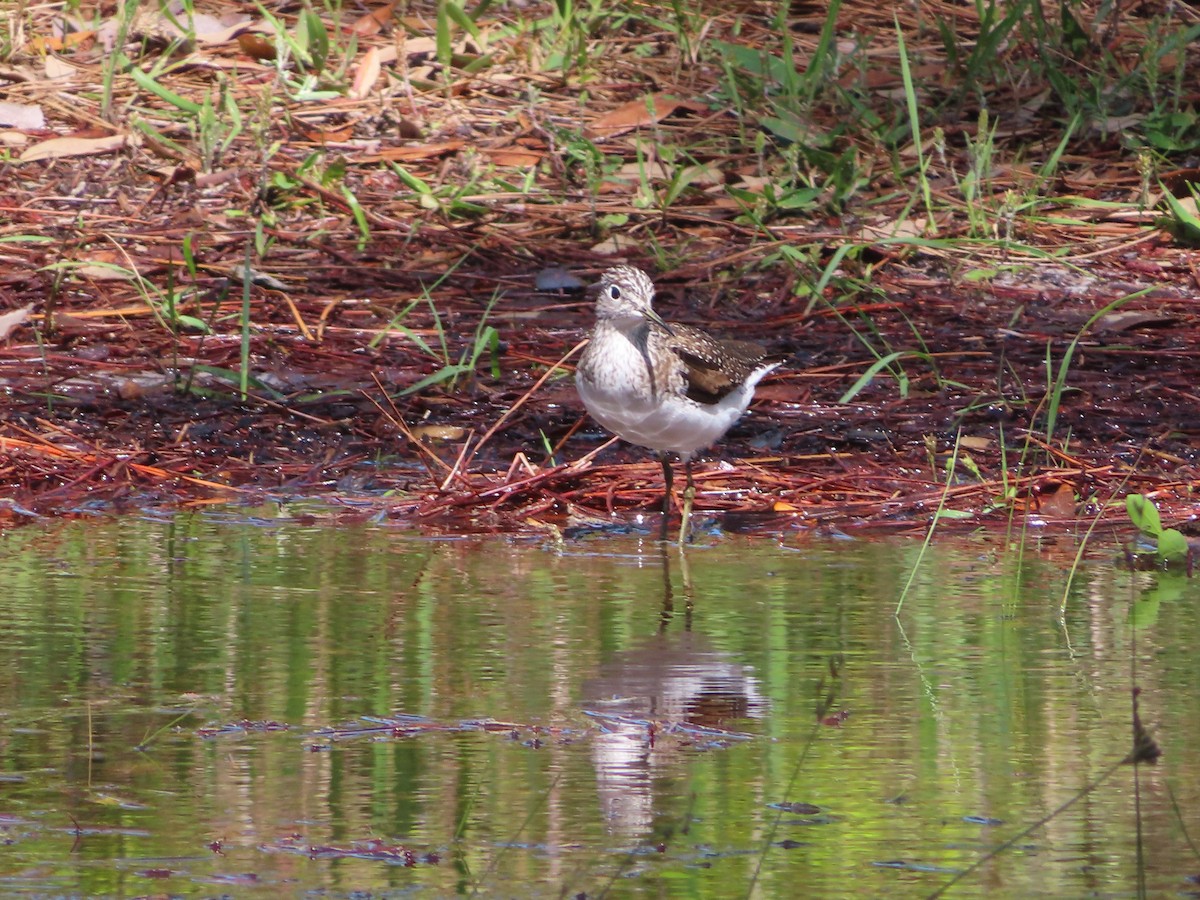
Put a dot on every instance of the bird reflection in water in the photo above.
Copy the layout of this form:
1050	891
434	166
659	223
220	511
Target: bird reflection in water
665	694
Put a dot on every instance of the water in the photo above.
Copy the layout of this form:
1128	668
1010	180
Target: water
259	705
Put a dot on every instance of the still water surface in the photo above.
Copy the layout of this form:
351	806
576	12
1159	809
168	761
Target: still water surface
215	704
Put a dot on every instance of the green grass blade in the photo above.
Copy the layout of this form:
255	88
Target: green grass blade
146	83
875	368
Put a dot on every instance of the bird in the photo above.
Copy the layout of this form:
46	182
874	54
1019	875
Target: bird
670	388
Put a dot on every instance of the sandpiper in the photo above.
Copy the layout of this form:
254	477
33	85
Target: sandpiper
669	388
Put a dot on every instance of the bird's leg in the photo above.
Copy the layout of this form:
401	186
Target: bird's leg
689	494
668	476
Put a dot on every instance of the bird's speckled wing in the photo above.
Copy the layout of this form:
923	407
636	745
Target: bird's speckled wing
713	368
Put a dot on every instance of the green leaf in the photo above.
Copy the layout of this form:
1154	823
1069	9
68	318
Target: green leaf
1183	225
791	130
493	342
193	323
1144	515
314	38
360	217
443	39
750	198
954	514
754	61
146	83
799	199
416	339
411	180
464	21
443	374
868	376
1075	36
27	239
613	220
1172	545
188	251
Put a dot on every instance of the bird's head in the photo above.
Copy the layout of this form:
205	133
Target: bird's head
625	292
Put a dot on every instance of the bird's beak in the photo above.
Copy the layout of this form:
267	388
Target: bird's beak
654	317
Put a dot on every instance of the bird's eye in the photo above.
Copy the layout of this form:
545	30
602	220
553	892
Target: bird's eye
614	292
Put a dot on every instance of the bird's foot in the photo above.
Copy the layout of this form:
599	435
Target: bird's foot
689	494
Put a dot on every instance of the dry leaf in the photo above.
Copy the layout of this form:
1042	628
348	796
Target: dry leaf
223	34
373	22
139	386
55	148
408	130
329	135
418	46
439	432
65	323
22	116
635	171
103	273
418	151
204	26
62	42
57	68
418	25
256	46
1058	502
702	175
614	244
638	113
261	279
159	25
213	31
893	228
1123	321
367	75
11	319
509	156
753	182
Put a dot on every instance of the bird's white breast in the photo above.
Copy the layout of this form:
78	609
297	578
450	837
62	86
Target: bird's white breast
615	385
